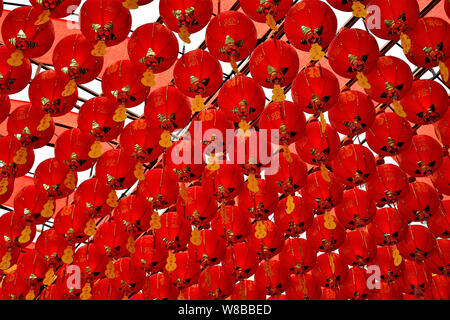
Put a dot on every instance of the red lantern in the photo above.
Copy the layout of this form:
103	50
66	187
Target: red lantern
390	262
72	57
353	52
441	177
104	22
298	256
439	262
268	11
426	103
395	18
389	135
196	205
96	198
150	254
122	83
182	270
290	175
55	178
326	234
355	286
15	159
330	271
418	245
416	279
54	248
134	214
117	169
16	231
56	9
422	157
74	148
310	26
16	73
34	204
111	239
358	249
440	285
421	202
241	261
129	277
103	289
259	200
442	129
182	161
283	121
388	184
5	106
388	227
348	5
356	209
231	36
439	223
32	267
241	98
225	183
158	189
315	90
173	230
266	239
31	126
186	17
320	194
157	287
96	117
292	216
216	282
52	93
247	290
232	224
92	263
70	222
154	46
353	164
26	30
206	247
16	288
272	278
388	291
353	114
303	287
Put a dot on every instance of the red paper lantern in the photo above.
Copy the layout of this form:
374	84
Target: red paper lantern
259	10
290	175
158	189
439	223
157	287
355	286
441	177
298	256
266	239
95	197
439	262
134	214
206	247
388	227
330	271
16	73
70	222
303	287
388	184
247	290
326	234
321	195
55	178
241	261
442	129
34	204
416	279
182	162
390	262
420	203
356	209
216	282
57	9
16	231
183	271
358	249
232	224
74	148
418	245
196	206
292	216
272	278
259	200
16	160
111	240
174	231
54	248
117	169
150	254
129	277
225	183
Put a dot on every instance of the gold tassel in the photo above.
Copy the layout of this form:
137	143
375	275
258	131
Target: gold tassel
398	109
316	52
444	71
363	81
234	64
184	34
278	94
270	21
324	172
329	221
44	17
406	43
323	122
290	204
198	104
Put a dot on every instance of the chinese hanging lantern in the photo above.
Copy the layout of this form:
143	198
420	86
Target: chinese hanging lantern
15	159
158	189
55	9
183	163
75	149
441	177
34	204
354	287
303	287
353	114
216	282
421	202
268	11
103	290
118	170
320	194
70	222
418	245
31	126
96	117
206	247
352	53
358	249
111	240
138	141
232	224
155	47
274	64
135	214
422	157
439	262
326	233
196	205
231	37
430	46
72	57
310	25
259	199
416	279
15	73
292	216
247	290
27	31
182	270
390	80
157	287
5	106
353	164
356	209
54	248
388	227
16	232
105	23
6	188
225	182
198	75
389	134
32	267
173	230
440	286
387	184
186	17
17	288
121	83
150	254
52	93
388	291
55	178
298	256
96	198
330	270
439	222
192	293
442	129
241	261
242	99
272	277
390	262
358	7
266	239
129	277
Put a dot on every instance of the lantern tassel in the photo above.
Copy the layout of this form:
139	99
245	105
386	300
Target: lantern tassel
165	139
278	94
184	34
363	81
270	21
406	43
398	109
290	205
252	183
198	104
324	172
323	123
329	221
184	193
43	18
316	52
148	78
444	71
234	65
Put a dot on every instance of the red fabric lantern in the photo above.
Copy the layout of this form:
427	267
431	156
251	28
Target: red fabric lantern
356	209
358	249
441	178
388	227
31	126
232	224
31	267
422	157
186	17
34	204
388	184
117	169
92	262
196	205
231	36
16	231
353	114
134	214
426	103
74	148
388	291
111	239
439	262
183	271
321	195
55	178
290	175
315	90
72	57
129	277
206	247
303	287
150	254
27	31
157	287
216	282
418	245
96	117
103	290
259	199
442	129
16	73
241	261
292	216
70	222
421	202
439	223
352	52
15	159
182	162
347	5
95	197
390	262
241	98
158	189
272	278
57	9
173	230
355	286
122	83
225	183
266	239
54	248
389	134
353	164
440	285
5	106
330	271
16	288
326	234
416	279
298	256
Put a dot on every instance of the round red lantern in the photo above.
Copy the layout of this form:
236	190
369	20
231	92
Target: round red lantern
298	256
266	239
326	234
292	216
232	224
15	159
196	205
216	282
158	189
358	249
441	177
418	245
206	247
134	214
330	270
95	197
241	261
321	193
356	209
390	262
268	11
16	73
56	9
259	198
388	227
272	278
55	178
173	230
150	254
74	148
118	170
387	184
34	204
290	175
421	202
